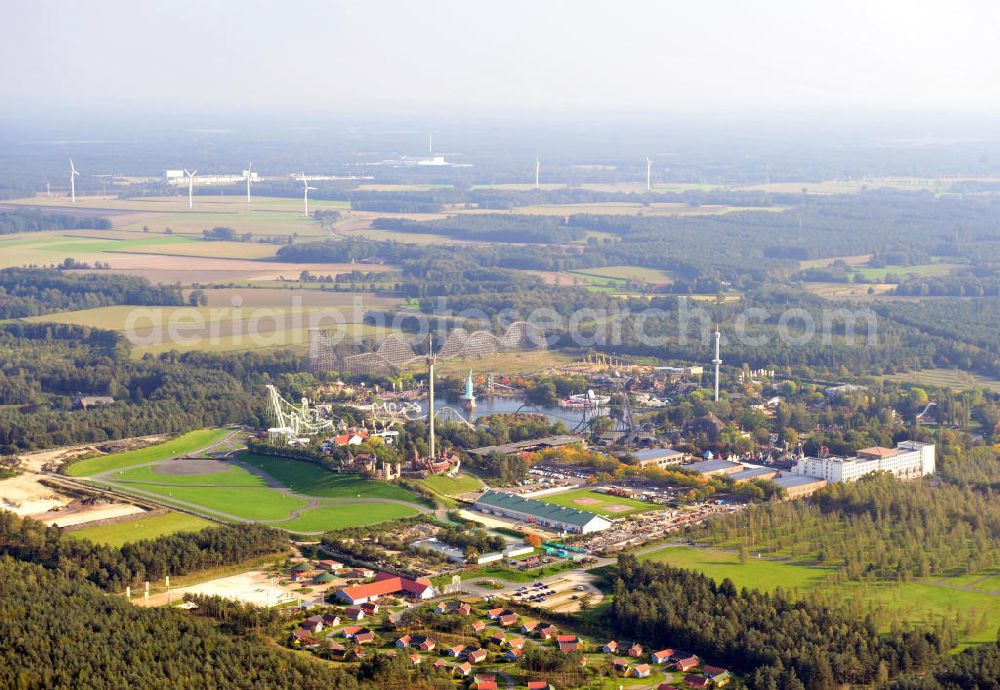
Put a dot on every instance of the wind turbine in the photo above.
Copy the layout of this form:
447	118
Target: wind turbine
72	180
538	167
305	193
190	176
649	174
248	172
430	144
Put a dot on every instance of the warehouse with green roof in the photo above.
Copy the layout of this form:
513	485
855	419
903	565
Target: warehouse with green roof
539	513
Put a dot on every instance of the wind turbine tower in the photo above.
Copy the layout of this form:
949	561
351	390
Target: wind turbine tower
538	168
430	144
72	181
305	193
249	173
190	176
430	398
717	362
649	174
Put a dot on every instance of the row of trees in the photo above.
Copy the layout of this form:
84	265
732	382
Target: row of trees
113	568
30	292
34	220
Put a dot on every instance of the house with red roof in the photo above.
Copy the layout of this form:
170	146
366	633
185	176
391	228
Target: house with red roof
364	637
516	643
498	638
370	608
385	584
456	651
696	681
686	664
493	614
463	669
528	626
635	651
514	654
404	641
567	647
507	619
621	664
610	648
484	681
355	613
662	656
351	630
547	631
414	659
423	643
477	656
478	626
539	685
641	671
440	664
330	619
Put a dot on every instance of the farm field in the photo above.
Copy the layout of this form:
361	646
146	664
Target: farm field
333	517
852	291
956	379
141	528
636	273
925	270
264	216
223	328
187	443
311	480
601	504
912	601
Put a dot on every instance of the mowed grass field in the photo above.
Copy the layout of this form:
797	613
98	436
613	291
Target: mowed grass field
312	480
626	273
333	517
914	602
187	443
955	379
601	504
462	484
141	528
249	503
156	474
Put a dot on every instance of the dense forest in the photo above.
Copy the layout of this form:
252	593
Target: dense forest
113	568
885	528
43	366
777	641
57	633
35	220
491	228
977	668
30	292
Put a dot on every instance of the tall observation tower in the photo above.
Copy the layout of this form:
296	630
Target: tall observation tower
430	401
717	362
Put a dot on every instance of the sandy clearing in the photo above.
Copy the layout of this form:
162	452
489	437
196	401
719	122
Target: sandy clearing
81	514
617	508
25	495
253	587
585	501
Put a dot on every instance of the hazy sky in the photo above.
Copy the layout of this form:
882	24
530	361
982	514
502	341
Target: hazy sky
652	56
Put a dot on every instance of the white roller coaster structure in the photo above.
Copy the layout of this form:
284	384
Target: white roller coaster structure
294	423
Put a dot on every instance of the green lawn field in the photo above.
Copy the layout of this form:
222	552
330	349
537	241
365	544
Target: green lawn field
234	476
914	602
189	442
448	486
925	270
328	518
312	480
249	503
594	502
141	528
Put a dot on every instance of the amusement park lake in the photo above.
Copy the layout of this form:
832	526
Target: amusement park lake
492	405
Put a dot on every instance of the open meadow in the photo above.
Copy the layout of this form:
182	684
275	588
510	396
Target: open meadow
141	527
956	379
309	479
912	602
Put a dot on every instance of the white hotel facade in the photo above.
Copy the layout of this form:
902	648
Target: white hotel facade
908	460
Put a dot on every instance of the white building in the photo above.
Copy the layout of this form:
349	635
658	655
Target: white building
908	460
